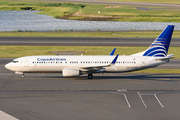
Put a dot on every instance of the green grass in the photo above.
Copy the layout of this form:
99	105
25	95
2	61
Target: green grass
19	51
125	13
54	11
141	34
132	14
50	9
149	1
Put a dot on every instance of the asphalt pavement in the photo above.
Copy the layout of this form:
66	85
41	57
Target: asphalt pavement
81	41
108	96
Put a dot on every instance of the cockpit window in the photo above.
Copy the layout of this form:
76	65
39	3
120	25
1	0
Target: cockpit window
15	61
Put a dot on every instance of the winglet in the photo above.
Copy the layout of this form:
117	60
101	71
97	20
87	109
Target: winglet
115	59
112	53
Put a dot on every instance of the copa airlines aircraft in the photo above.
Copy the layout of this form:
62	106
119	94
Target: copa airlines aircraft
70	65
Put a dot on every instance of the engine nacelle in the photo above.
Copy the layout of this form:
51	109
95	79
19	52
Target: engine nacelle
68	72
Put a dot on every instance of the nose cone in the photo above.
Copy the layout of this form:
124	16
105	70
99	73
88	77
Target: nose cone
7	66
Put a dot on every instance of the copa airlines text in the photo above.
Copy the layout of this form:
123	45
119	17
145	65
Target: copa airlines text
71	66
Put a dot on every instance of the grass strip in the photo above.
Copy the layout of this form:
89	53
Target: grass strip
149	1
19	51
96	11
141	34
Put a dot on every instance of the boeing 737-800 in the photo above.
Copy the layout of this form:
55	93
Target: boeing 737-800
75	65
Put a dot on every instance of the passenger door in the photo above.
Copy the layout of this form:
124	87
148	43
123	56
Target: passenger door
26	62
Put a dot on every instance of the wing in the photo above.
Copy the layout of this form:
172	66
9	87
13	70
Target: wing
99	68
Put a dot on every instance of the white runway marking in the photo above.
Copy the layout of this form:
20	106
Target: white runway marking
158	101
152	95
124	97
5	116
142	100
127	100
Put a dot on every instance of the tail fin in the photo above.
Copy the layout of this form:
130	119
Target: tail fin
112	53
159	48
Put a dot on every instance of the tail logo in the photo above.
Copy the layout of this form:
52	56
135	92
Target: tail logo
159	48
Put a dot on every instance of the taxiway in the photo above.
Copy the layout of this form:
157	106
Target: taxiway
107	96
81	41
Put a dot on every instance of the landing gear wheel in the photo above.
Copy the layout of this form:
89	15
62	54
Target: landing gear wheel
23	76
90	76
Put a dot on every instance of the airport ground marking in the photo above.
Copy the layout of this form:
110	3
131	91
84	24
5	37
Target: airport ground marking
124	97
115	89
158	100
118	90
126	100
3	89
152	95
142	100
122	90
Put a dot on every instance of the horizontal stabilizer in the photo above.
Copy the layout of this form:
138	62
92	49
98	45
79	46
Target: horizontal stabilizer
165	58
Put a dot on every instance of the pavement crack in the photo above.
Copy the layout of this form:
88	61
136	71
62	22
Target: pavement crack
30	114
5	82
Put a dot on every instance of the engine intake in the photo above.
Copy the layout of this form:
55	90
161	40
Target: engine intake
68	72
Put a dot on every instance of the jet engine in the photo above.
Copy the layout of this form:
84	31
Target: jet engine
68	72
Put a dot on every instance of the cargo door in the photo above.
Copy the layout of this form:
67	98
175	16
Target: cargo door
143	61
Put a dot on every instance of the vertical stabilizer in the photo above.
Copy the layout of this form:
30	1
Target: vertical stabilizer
159	48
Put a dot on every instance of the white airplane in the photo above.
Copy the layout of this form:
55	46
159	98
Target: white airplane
72	65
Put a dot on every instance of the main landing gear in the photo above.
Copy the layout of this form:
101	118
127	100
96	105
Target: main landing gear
23	75
90	76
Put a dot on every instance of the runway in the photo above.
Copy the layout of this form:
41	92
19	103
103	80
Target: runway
108	96
81	41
